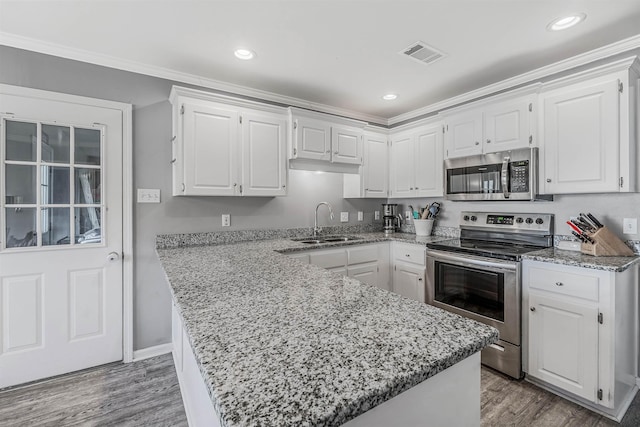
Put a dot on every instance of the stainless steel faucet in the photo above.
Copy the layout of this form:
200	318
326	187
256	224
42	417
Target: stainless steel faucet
317	229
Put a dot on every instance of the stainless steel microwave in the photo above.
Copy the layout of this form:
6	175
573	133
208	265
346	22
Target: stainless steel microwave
505	175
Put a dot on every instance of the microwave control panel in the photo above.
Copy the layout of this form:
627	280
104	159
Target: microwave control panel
519	176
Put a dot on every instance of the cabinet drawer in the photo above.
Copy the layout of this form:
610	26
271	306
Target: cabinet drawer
362	254
410	253
572	284
329	259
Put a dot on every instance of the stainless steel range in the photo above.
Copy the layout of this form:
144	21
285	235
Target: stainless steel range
478	276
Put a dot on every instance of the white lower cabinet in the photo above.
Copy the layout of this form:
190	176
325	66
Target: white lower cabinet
409	269
580	330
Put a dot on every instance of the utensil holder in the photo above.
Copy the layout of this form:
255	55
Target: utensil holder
423	226
606	244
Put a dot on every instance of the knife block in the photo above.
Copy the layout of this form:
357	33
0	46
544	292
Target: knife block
606	244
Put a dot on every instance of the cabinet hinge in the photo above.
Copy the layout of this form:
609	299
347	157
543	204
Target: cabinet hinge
621	182
295	151
240	117
295	124
530	106
442	129
182	109
599	394
378	268
394	268
620	87
600	319
530	139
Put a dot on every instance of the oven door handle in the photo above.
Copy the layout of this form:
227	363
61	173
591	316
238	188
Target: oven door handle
471	262
503	175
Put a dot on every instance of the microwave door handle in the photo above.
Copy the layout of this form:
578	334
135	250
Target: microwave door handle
503	175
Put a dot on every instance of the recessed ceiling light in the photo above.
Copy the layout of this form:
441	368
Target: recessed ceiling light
390	97
244	54
566	22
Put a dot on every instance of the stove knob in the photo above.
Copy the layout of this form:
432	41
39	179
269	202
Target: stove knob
474	218
466	217
519	220
539	221
529	221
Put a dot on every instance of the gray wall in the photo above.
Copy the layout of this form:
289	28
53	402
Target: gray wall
151	156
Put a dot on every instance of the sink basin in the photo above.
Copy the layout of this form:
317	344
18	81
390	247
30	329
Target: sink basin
340	239
326	239
310	241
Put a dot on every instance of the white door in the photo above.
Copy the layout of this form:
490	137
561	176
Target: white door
581	139
346	144
401	170
428	162
210	151
408	281
563	344
61	240
312	139
264	170
464	135
375	169
366	273
507	125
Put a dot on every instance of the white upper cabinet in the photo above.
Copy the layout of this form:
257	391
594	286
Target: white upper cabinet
416	162
325	142
588	144
372	181
505	122
227	147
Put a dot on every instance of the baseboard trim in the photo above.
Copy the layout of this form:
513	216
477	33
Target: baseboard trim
157	350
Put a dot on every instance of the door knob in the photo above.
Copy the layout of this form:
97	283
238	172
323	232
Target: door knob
113	256
532	309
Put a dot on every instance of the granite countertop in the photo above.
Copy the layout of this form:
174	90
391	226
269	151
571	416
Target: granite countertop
279	342
578	259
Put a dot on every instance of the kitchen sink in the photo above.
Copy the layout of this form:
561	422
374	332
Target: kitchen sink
326	239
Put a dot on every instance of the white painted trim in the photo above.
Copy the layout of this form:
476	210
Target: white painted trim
48	48
530	76
149	352
127	234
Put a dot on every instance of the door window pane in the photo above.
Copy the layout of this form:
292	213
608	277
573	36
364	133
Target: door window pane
87	146
87	223
21	227
21	141
21	183
87	186
55	226
54	185
56	144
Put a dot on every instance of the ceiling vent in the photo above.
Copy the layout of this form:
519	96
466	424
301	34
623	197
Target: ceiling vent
422	52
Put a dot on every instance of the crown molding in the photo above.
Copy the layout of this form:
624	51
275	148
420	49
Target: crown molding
48	48
528	77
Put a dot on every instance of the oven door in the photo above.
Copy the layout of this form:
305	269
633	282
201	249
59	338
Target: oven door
483	289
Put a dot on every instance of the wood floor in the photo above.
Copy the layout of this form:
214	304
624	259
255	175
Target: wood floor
146	393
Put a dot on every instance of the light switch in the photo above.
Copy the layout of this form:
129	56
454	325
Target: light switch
147	195
360	216
376	215
344	216
630	225
226	220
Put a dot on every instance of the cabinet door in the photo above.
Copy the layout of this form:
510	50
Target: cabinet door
563	343
408	281
376	165
366	273
312	139
210	138
346	144
581	139
428	162
264	170
402	163
463	135
507	125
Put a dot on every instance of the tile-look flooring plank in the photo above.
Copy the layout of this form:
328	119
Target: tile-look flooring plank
142	393
146	393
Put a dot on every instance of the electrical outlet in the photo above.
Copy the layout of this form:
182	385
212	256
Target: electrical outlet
630	225
344	216
226	220
360	216
148	195
376	215
408	215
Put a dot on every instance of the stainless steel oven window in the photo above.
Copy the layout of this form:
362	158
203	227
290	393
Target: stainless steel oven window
473	290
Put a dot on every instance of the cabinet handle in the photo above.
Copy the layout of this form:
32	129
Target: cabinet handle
419	279
241	189
183	187
366	189
328	152
548	179
417	188
411	188
559	284
335	152
532	309
477	143
488	141
407	255
284	186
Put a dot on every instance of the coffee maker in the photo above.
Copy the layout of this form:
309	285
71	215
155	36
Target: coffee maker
390	219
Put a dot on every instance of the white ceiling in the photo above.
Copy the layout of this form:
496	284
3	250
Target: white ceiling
341	53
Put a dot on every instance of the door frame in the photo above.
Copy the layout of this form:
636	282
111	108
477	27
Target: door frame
127	194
